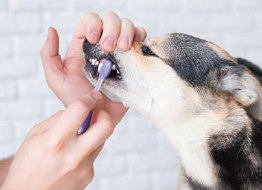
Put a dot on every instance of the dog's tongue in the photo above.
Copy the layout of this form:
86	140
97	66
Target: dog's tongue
103	61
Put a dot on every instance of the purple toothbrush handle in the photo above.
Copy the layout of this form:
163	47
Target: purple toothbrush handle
103	73
85	124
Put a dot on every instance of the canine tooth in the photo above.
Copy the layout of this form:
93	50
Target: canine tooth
113	67
90	60
117	71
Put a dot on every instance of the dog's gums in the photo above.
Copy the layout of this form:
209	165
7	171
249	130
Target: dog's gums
98	65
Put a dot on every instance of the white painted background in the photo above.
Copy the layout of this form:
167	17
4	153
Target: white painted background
137	156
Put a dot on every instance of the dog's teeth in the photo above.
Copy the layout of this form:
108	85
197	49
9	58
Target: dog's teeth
90	60
113	67
99	67
117	71
93	61
97	63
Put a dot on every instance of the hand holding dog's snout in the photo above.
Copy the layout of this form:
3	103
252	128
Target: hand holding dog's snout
60	159
66	77
116	32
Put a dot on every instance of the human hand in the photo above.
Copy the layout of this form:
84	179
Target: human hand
54	156
66	77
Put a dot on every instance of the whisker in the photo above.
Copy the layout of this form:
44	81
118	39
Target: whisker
150	111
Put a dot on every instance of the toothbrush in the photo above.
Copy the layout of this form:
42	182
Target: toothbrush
103	74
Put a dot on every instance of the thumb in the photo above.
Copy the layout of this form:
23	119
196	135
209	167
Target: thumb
51	60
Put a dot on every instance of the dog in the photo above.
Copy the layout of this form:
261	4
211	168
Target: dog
206	102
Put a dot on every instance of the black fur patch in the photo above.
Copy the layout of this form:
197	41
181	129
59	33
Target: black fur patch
229	158
235	162
257	135
256	71
193	59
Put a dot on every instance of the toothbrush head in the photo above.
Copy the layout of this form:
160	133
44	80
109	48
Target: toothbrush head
105	70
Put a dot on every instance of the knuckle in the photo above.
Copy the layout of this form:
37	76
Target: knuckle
34	130
88	15
109	14
82	106
126	20
104	120
92	14
73	162
56	145
108	127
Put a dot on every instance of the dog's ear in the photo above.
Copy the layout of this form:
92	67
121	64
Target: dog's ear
239	82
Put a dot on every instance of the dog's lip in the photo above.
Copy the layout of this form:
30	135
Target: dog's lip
115	72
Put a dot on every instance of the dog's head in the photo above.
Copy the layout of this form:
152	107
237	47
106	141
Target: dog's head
173	76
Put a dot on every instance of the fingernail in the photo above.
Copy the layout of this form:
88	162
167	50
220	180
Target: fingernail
94	36
137	39
97	96
109	43
124	41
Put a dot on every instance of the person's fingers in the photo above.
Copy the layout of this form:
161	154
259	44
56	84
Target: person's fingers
51	60
45	125
111	31
140	34
96	152
99	131
89	24
94	28
88	159
127	34
73	117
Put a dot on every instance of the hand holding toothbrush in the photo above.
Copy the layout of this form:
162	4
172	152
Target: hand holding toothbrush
66	78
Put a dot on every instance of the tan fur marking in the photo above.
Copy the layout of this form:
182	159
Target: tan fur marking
137	47
221	52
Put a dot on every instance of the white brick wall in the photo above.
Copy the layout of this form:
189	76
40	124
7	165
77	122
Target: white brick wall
7	89
208	6
3	5
5	46
17	67
17	23
137	156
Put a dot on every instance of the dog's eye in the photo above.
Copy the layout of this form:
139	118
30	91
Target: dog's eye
147	51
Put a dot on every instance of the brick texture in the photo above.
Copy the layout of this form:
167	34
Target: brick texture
5	46
205	5
3	5
7	89
19	23
248	6
31	5
137	156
